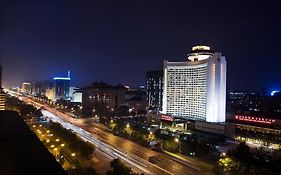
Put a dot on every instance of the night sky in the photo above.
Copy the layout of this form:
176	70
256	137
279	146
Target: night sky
118	41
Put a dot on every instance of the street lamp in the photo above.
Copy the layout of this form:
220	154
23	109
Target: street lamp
128	125
73	154
179	142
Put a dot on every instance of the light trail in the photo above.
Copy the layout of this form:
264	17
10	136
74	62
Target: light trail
109	151
103	147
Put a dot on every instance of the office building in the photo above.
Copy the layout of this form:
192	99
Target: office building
39	88
62	87
101	97
195	89
26	88
50	94
2	94
77	96
154	87
136	98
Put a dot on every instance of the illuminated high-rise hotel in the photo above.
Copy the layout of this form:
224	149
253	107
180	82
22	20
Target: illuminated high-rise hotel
196	89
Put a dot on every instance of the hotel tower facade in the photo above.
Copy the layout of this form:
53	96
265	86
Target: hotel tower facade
196	88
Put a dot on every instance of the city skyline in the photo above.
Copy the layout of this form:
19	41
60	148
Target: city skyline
119	42
140	87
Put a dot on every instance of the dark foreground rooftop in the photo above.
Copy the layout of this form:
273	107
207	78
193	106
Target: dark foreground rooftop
21	152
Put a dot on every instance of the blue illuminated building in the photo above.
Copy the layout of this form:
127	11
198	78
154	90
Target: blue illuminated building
62	87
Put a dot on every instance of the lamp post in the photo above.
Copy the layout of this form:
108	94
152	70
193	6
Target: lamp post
177	140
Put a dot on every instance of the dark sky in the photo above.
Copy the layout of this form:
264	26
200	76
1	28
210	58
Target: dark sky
118	41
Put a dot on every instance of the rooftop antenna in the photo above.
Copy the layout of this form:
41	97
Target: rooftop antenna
68	73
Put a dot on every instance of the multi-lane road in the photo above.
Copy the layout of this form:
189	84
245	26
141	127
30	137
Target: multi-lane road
141	158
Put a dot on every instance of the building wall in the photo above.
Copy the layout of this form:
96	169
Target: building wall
77	97
102	97
210	127
50	94
26	88
185	89
154	86
216	89
62	87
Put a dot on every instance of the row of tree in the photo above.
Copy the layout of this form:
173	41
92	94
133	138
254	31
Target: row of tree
75	143
25	110
134	131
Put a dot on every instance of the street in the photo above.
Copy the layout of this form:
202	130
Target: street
142	159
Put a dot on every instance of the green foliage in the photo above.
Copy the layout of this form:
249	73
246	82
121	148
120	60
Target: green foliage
135	132
14	104
170	145
201	148
75	143
244	161
119	168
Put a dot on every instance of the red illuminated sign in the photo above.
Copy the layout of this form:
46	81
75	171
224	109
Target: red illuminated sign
167	118
254	119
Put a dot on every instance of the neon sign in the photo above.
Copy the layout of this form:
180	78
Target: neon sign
254	119
167	118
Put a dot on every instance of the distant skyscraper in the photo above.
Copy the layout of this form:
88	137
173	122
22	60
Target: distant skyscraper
2	94
154	86
196	89
62	87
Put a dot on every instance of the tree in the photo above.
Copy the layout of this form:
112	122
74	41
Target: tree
119	168
241	153
122	111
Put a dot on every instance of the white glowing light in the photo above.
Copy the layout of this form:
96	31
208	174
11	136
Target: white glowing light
61	78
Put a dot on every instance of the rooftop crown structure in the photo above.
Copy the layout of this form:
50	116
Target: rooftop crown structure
196	89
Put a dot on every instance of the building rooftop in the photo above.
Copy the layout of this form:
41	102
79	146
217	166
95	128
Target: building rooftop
21	151
102	85
200	52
